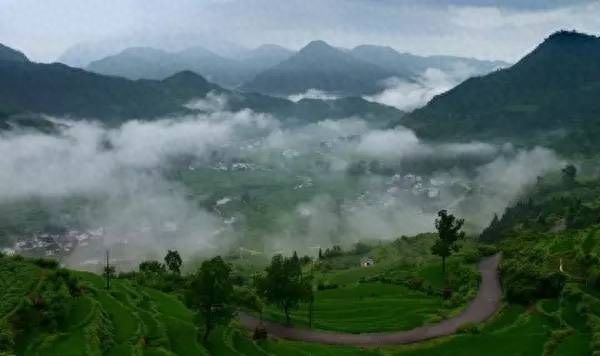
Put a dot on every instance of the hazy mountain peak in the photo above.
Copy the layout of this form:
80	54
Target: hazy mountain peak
198	52
12	55
317	46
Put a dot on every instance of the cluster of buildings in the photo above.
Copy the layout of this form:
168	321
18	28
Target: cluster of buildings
46	244
417	185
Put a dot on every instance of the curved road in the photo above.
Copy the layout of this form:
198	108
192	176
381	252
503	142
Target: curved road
485	304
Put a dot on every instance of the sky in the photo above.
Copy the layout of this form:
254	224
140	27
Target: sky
487	29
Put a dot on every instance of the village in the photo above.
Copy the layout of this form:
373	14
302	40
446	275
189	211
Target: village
46	244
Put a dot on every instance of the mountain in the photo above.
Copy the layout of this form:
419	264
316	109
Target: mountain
553	90
409	65
29	88
57	89
11	55
320	66
151	63
265	56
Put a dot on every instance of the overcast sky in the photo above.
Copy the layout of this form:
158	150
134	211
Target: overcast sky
506	30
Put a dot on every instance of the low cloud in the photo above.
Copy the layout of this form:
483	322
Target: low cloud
313	94
202	183
408	95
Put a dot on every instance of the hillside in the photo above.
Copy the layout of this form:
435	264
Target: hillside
150	63
11	55
409	65
320	66
552	88
55	89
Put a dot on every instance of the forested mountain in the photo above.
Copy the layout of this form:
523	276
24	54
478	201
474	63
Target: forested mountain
57	89
11	55
409	65
151	63
320	66
554	89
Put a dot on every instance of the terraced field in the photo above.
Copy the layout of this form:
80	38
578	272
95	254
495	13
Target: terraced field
366	307
155	324
18	279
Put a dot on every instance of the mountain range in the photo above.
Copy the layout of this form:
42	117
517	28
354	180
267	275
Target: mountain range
550	95
274	70
29	88
151	63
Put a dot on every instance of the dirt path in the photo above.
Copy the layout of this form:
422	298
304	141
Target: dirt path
485	304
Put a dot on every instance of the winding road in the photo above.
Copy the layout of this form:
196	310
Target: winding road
485	304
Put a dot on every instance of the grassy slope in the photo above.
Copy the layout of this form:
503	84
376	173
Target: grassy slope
149	322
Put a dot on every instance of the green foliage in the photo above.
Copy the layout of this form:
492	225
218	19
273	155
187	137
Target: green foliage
569	173
210	293
449	232
553	87
556	337
283	284
98	333
46	263
469	328
7	337
173	261
525	281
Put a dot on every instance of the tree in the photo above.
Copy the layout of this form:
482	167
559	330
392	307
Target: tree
449	232
210	293
108	271
173	261
151	267
569	173
283	284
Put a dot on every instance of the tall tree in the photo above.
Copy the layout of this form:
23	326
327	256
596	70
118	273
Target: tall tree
210	293
569	173
449	232
173	261
283	284
108	271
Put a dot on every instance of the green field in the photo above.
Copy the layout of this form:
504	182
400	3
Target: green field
366	307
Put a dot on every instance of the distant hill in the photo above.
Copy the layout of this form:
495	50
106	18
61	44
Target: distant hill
356	72
151	63
555	87
11	55
410	65
56	89
61	90
320	66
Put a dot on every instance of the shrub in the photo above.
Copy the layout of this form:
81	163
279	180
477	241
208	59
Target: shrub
487	250
469	328
47	263
326	285
556	337
472	256
524	282
7	338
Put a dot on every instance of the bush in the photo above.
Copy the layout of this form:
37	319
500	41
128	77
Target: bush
556	337
7	338
469	328
47	263
525	282
326	285
471	256
487	250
